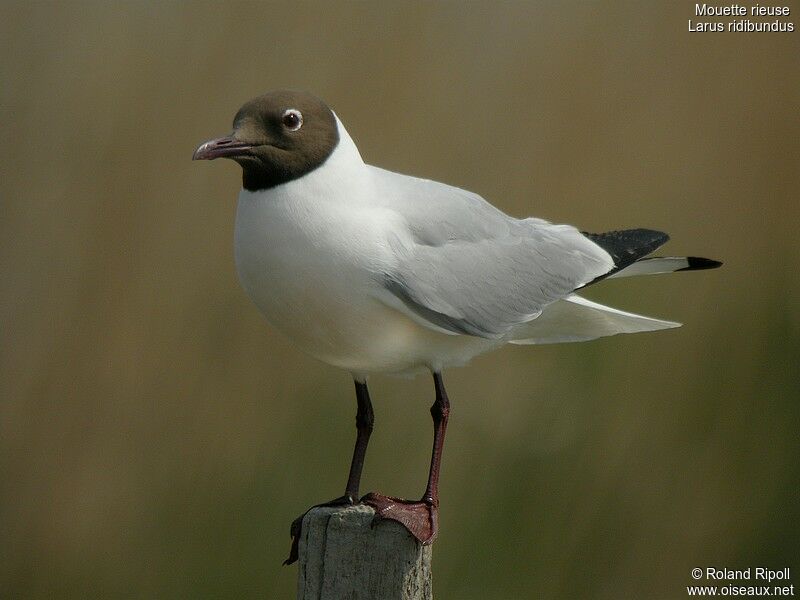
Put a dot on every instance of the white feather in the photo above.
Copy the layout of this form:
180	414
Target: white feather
576	319
653	266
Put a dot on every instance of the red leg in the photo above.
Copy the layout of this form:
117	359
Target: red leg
421	518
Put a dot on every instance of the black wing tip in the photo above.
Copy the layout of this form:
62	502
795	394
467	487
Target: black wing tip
660	237
698	263
651	235
626	246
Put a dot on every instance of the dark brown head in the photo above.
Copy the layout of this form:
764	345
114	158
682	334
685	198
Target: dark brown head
276	138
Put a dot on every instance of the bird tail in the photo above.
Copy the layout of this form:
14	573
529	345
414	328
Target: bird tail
576	319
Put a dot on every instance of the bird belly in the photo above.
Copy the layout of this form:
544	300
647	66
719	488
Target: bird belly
325	297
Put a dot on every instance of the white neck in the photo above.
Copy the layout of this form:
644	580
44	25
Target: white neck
346	153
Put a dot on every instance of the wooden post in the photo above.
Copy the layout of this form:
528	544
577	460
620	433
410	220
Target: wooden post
343	554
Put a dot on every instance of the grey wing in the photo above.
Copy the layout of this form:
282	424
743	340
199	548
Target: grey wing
470	269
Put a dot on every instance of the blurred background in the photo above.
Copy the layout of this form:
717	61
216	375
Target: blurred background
157	437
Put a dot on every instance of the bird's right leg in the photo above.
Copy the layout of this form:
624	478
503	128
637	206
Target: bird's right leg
421	517
365	420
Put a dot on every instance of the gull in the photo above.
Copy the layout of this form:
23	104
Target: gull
373	272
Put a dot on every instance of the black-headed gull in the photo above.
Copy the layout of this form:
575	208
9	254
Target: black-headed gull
377	272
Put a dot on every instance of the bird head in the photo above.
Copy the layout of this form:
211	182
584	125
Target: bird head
277	137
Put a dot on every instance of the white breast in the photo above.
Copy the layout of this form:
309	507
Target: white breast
311	254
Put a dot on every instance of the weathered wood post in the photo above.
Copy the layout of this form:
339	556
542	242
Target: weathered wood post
342	554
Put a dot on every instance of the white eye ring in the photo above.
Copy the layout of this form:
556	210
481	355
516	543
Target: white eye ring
292	119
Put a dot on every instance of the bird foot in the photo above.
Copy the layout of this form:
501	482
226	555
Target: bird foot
419	517
297	525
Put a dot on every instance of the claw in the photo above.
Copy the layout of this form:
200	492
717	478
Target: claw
420	517
296	528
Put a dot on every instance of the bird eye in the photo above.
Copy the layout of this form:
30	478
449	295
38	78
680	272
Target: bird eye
292	119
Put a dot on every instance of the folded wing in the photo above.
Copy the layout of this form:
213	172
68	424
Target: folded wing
467	268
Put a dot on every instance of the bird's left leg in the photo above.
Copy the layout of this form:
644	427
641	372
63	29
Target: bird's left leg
421	517
365	420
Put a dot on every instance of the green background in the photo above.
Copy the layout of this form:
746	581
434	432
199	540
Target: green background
157	436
